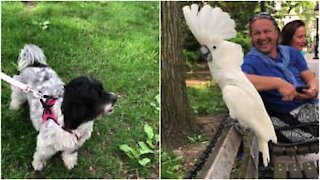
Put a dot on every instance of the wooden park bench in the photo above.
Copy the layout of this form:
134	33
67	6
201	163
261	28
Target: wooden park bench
296	160
287	161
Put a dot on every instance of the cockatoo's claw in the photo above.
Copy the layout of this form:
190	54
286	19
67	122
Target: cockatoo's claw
205	53
241	130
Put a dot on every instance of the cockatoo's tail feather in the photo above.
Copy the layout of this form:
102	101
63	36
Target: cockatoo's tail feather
264	148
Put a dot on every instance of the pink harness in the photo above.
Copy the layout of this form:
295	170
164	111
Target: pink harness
48	113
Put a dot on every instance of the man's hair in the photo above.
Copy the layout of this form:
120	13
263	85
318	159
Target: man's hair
288	31
263	15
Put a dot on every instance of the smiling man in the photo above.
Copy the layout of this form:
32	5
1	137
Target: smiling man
278	72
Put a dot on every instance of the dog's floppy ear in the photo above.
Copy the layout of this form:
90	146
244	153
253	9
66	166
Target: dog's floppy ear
75	107
83	101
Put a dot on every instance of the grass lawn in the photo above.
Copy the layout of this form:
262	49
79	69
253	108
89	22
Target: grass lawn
206	100
115	42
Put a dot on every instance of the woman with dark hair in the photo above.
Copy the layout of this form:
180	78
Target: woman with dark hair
294	34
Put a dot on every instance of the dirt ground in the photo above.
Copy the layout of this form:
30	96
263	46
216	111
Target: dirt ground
190	152
208	124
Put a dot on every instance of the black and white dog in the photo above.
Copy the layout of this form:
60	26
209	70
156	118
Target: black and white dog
65	117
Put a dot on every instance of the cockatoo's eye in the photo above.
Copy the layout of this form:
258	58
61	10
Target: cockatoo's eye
214	47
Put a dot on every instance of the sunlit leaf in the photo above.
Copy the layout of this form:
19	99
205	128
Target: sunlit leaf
149	131
144	161
132	153
144	148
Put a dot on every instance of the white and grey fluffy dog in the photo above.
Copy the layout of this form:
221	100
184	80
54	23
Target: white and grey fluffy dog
76	105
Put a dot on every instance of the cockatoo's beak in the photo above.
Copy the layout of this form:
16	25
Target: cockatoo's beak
205	53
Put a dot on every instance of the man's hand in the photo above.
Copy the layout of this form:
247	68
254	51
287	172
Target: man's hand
287	90
309	93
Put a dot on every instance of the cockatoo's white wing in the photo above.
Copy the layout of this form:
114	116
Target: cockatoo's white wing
209	24
235	98
253	116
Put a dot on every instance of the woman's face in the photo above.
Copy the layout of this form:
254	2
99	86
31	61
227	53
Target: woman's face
299	38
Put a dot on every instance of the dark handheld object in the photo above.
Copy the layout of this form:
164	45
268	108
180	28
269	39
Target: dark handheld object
300	89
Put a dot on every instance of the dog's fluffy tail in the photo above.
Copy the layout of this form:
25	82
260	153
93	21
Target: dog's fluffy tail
31	55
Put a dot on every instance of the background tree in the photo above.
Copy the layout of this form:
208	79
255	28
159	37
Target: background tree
176	116
304	9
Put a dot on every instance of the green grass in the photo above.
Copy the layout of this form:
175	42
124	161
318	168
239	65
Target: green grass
206	100
115	42
171	166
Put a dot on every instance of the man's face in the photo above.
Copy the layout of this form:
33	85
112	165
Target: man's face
264	36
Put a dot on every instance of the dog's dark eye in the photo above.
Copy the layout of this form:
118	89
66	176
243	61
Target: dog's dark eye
214	47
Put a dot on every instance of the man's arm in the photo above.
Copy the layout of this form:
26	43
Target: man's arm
265	83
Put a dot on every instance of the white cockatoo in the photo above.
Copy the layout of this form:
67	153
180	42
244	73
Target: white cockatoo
211	26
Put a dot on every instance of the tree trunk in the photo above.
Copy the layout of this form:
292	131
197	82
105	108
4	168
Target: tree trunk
176	116
263	6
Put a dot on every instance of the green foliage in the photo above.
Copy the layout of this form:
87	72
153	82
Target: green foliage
149	146
303	9
157	104
171	166
191	58
115	42
196	138
43	25
206	100
240	11
243	40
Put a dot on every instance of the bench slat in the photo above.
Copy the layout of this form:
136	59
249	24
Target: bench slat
314	148
278	150
280	171
291	150
295	171
303	149
310	170
221	160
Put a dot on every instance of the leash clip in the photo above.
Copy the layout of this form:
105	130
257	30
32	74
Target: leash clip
27	89
37	94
